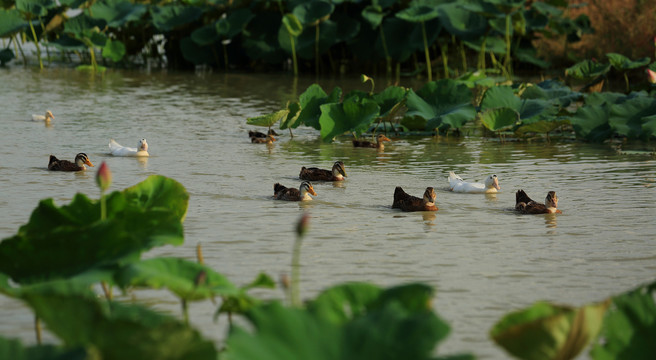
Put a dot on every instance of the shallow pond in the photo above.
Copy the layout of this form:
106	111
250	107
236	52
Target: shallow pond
483	259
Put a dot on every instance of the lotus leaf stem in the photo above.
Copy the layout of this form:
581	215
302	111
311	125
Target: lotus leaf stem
199	254
37	329
445	59
36	42
185	311
429	70
388	58
295	64
296	267
507	62
626	80
316	50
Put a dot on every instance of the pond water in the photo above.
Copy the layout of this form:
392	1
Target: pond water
483	259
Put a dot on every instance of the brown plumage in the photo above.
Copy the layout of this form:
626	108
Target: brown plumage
258	134
266	140
81	159
378	144
526	205
315	174
281	192
407	202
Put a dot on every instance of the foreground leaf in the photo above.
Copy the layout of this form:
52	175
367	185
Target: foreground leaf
444	104
353	115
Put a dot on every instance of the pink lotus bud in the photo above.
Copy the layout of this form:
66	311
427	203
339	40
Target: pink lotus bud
303	224
651	76
103	177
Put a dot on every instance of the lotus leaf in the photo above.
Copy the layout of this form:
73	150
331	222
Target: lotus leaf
535	20
353	115
389	99
414	123
587	69
11	21
541	127
529	56
84	26
367	46
347	28
444	104
168	17
623	63
405	38
269	119
649	126
260	43
552	90
117	13
418	13
114	49
35	7
195	53
530	110
67	43
629	327
205	35
498	119
473	79
242	302
311	12
494	44
14	350
70	240
599	98
465	24
507	6
591	122
291	121
373	15
626	118
187	280
292	25
234	23
546	9
546	331
311	101
307	40
5	56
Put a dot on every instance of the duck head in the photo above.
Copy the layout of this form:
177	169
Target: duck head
492	181
305	188
49	116
551	201
143	145
338	169
380	138
82	159
429	196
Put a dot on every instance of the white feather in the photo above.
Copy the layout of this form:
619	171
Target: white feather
117	149
457	184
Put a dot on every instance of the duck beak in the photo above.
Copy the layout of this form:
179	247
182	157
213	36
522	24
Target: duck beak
496	184
88	163
311	191
385	138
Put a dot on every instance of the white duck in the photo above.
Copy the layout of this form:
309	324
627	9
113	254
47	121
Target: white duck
457	184
117	149
47	117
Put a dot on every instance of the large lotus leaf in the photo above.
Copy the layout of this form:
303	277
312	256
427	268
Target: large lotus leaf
481	7
530	110
546	9
69	240
444	104
14	350
340	304
404	38
507	6
629	328
599	98
205	35
67	43
591	122
292	25
626	118
389	99
623	63
353	115
291	120
494	44
168	17
347	27
309	12
418	13
477	78
196	54
187	280
327	37
311	101
35	7
259	42
116	330
373	15
587	69
117	12
269	119
497	119
545	331
465	24
83	26
114	49
234	23
541	127
11	21
535	20
552	90
649	127
242	302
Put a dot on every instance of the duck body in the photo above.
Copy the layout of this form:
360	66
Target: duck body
257	134
457	184
337	173
117	149
281	192
526	205
368	144
47	117
269	139
81	159
407	202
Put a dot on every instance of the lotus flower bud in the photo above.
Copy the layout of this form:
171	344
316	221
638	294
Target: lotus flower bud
103	177
302	225
651	76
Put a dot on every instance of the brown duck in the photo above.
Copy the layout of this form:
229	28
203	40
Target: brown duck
257	134
407	202
281	192
315	174
64	165
378	144
265	140
526	205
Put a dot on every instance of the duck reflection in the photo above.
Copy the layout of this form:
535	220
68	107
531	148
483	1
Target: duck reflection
551	221
429	218
143	162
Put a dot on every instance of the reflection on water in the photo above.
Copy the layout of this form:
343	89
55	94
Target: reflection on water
472	250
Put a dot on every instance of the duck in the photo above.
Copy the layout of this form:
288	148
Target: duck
457	184
81	159
257	134
315	174
269	139
526	205
117	149
407	202
378	144
303	192
47	117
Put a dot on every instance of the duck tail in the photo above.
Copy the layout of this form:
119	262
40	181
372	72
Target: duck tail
521	197
277	187
53	159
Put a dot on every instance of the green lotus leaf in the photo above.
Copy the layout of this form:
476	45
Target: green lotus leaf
484	8
587	69
541	127
389	99
117	13
67	43
626	118
546	9
591	122
546	331
11	21
269	119
168	17
373	15
629	327
234	23
311	101
292	24
494	44
529	56
465	24
242	302
648	127
114	49
623	63
262	281
187	280
13	349
291	120
327	37
507	6
444	104
60	242
418	13
260	43
310	12
552	90
35	7
405	38
205	35
472	79
195	53
116	330
347	28
599	98
530	110
84	26
352	115
498	119
414	123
